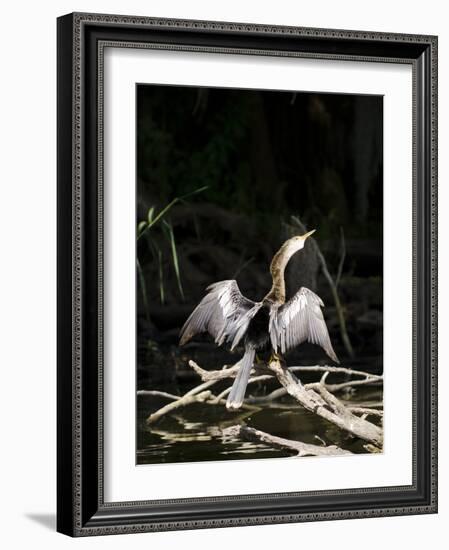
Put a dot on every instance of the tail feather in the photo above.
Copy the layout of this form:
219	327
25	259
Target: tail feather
235	398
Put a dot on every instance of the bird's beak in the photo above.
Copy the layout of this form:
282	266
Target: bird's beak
308	234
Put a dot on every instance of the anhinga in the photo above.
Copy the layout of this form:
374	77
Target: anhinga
230	317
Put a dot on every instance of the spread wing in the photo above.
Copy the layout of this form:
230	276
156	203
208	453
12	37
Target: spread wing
300	320
224	313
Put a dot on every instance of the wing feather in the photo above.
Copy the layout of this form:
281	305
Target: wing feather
300	320
224	313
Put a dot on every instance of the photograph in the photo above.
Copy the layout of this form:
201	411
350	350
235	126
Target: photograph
259	274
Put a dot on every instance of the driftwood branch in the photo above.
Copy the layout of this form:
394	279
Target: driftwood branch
182	402
302	449
280	392
198	394
315	397
336	370
269	398
231	372
366	411
323	403
343	385
205	375
157	393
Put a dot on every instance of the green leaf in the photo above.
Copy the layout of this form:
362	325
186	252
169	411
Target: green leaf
170	205
161	277
141	227
144	290
171	238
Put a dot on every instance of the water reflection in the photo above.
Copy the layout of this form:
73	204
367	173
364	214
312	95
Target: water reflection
194	433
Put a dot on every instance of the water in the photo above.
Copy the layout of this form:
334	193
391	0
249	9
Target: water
194	433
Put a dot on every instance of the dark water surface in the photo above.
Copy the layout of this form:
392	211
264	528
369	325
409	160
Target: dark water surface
194	433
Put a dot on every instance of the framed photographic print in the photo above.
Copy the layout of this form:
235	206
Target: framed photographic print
247	282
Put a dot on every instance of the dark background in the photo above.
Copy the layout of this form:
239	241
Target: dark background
239	165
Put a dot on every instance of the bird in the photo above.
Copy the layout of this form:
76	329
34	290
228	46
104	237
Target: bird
270	324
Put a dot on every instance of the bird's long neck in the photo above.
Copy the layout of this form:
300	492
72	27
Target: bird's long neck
277	270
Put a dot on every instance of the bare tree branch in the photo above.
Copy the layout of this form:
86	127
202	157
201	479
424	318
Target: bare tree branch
315	397
182	402
326	405
198	394
279	392
333	287
342	257
205	375
158	393
366	411
302	449
336	370
349	384
231	372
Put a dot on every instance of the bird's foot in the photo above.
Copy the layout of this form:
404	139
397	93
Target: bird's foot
276	358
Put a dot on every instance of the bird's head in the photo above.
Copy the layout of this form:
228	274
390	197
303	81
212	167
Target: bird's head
290	247
296	243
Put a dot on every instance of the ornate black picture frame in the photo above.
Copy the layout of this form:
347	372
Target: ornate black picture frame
81	510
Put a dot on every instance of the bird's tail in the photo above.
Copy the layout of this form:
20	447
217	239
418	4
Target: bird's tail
235	398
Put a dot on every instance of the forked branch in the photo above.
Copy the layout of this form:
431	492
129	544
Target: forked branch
316	397
301	449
